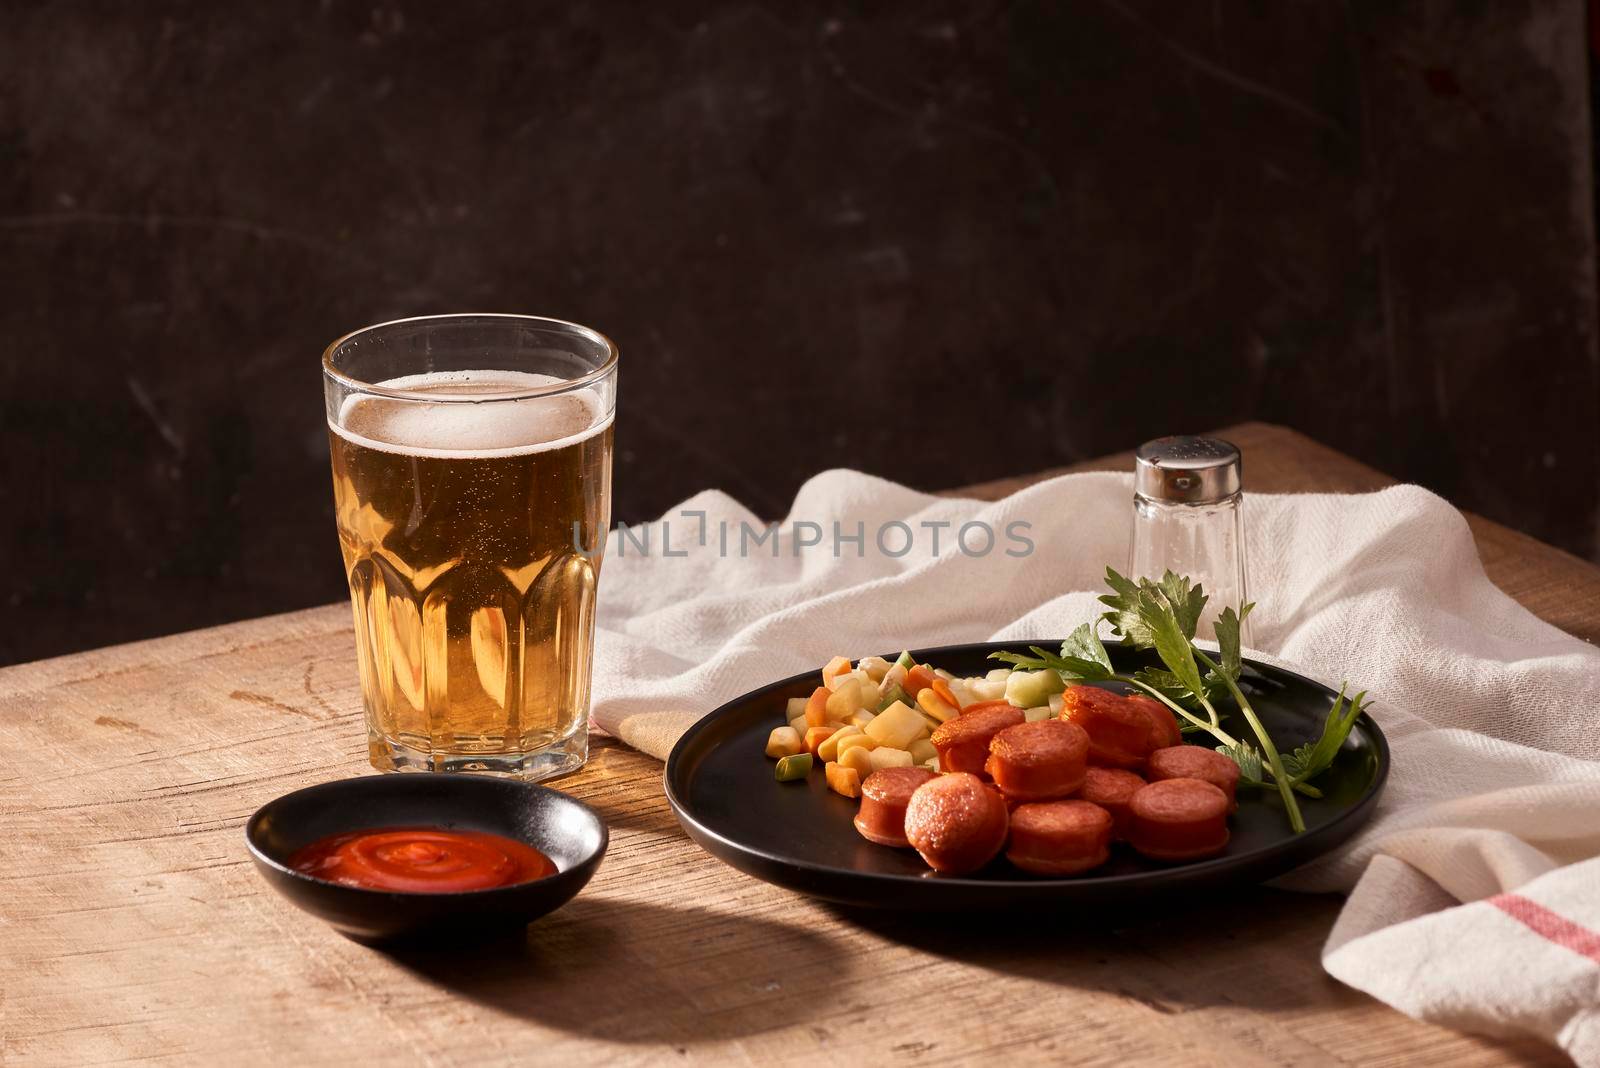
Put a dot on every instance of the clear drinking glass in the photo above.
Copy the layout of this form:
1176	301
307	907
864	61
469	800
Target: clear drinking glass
1188	517
472	489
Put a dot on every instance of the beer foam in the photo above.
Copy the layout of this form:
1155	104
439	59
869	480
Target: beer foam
466	429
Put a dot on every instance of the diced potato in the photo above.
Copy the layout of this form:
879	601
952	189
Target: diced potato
852	694
923	751
836	667
931	765
1030	689
870	692
896	726
796	709
853	741
886	757
876	667
1034	715
784	741
935	706
800	726
815	736
829	748
998	675
861	718
1057	701
963	694
842	780
987	691
895	676
859	759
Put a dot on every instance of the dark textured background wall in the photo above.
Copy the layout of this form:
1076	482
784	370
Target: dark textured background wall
942	242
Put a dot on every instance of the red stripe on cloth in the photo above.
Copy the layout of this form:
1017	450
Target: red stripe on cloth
1549	925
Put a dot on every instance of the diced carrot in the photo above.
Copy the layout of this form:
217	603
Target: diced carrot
935	706
815	736
842	780
817	707
919	678
942	688
839	665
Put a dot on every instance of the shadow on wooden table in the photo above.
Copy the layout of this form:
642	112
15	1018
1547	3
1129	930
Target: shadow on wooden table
1249	948
1256	949
628	971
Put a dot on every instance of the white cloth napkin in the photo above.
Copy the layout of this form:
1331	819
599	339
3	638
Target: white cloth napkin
1495	782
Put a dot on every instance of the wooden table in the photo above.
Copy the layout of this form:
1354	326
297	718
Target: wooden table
136	929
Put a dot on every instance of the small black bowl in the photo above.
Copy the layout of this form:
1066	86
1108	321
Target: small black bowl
563	829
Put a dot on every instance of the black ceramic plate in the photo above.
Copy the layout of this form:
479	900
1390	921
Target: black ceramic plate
562	828
799	835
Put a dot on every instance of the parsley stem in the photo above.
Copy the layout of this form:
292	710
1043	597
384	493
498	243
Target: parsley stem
1297	822
1211	728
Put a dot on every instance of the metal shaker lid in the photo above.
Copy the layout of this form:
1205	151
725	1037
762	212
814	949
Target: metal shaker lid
1187	470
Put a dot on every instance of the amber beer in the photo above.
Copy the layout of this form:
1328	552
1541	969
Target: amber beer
471	536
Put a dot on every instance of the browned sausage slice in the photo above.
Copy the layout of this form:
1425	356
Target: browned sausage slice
1038	761
1112	789
957	822
1179	819
884	796
1119	732
1059	837
1196	762
1163	724
963	742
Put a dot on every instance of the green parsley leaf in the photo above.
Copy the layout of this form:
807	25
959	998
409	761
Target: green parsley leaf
1169	686
1018	660
1124	616
1165	627
1131	603
1094	667
1227	627
1251	772
1313	758
1186	601
1084	648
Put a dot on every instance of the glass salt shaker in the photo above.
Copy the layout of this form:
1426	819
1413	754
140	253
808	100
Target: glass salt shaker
1188	518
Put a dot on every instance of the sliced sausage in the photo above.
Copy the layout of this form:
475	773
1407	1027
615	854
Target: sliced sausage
1059	837
957	822
1119	732
884	796
1196	762
963	742
1112	789
1179	819
1164	730
983	706
1038	761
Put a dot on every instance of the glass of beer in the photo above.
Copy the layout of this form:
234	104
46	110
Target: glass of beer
472	487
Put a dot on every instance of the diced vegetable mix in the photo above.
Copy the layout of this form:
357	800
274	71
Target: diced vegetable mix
876	714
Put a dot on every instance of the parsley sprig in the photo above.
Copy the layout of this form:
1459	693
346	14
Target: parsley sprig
1162	615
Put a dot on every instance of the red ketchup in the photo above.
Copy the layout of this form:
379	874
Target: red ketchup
421	860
